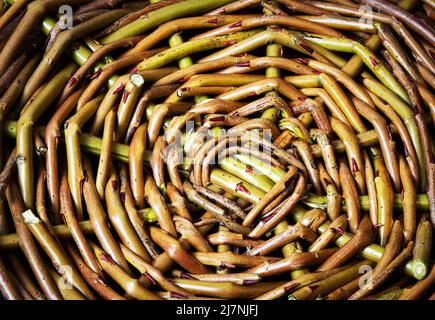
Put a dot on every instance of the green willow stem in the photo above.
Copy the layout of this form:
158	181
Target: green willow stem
174	41
422	249
239	187
184	62
187	48
367	56
273	173
29	116
284	37
239	169
320	202
160	16
272	50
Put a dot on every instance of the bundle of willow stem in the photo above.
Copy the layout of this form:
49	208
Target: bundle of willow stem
232	149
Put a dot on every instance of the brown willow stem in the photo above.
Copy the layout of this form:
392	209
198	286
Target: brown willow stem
99	219
96	56
28	246
7	288
56	253
69	216
35	11
52	136
61	43
419	26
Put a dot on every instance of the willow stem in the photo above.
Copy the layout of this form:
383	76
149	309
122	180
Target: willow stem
162	15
